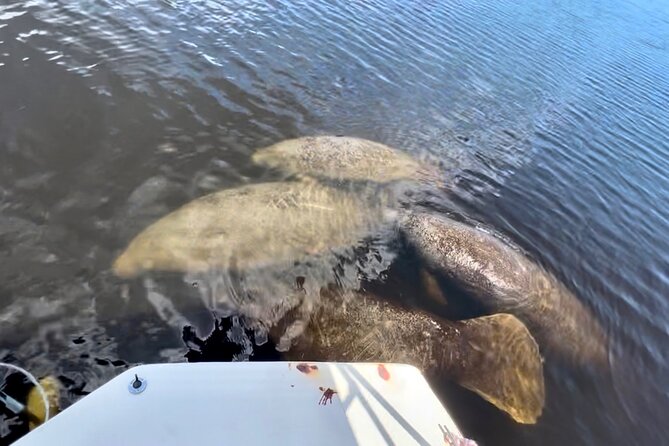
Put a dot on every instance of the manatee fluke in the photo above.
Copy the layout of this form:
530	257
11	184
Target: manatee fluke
502	345
250	226
494	356
339	158
502	279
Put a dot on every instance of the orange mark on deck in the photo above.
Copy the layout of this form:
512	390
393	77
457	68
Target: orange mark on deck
383	372
328	393
307	368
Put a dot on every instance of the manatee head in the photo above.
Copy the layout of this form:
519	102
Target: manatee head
134	260
277	155
150	252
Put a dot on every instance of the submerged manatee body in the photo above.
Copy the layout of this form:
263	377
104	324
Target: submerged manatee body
252	226
494	356
502	279
339	158
290	291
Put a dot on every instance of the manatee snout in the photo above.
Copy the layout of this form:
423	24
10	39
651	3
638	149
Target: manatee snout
263	158
124	266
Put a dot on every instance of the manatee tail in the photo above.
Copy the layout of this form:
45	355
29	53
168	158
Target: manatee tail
499	360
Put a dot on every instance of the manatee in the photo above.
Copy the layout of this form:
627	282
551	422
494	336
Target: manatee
340	158
251	226
494	356
501	279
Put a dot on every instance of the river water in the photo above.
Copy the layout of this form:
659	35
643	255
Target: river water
552	117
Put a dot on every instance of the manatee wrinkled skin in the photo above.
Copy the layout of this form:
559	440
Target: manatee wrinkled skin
502	279
251	226
339	158
494	356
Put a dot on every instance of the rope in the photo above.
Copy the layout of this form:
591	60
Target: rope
34	381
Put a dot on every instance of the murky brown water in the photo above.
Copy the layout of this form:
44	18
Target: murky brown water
551	117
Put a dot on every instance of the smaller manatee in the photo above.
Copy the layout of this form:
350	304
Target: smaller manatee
340	158
252	226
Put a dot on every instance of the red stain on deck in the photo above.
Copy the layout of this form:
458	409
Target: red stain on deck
383	372
328	393
307	368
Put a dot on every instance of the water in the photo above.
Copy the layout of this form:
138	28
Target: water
552	117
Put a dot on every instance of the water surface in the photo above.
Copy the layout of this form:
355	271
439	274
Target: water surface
552	118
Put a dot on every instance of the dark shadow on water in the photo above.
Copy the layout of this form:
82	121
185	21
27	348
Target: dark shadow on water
407	284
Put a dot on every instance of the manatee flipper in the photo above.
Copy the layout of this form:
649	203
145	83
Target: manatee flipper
500	360
35	404
432	289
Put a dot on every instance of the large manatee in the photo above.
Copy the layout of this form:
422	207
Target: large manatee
340	158
251	226
502	279
494	356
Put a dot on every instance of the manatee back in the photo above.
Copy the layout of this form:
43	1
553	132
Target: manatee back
339	158
494	273
494	356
